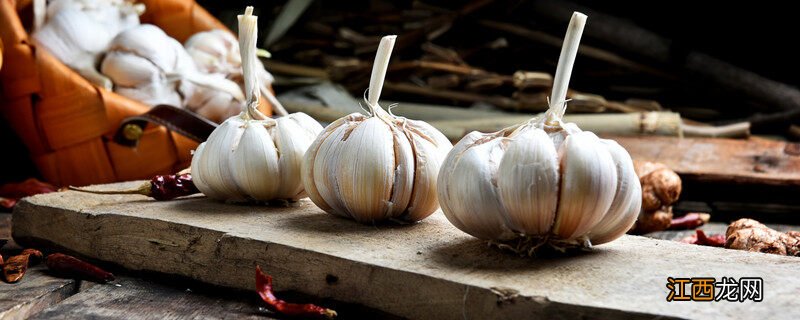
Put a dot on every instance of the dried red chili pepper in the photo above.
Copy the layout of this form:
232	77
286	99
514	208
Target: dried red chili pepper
36	256
71	267
264	289
15	267
700	238
689	221
161	187
10	193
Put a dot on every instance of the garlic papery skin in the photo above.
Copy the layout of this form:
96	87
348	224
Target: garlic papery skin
217	52
376	167
76	40
544	182
115	15
77	32
250	157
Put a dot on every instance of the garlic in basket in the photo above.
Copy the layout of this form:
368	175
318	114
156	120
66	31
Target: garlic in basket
147	65
544	181
217	52
115	15
376	167
78	31
250	156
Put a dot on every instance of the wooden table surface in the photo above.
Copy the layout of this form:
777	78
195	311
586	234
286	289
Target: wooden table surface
151	296
40	295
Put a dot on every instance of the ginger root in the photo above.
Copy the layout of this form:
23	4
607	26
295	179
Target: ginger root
751	235
661	187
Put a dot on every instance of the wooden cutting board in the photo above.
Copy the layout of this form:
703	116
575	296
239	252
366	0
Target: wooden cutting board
425	270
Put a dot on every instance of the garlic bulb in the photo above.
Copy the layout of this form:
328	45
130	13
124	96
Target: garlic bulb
250	156
213	104
544	181
217	52
376	167
78	31
148	65
115	15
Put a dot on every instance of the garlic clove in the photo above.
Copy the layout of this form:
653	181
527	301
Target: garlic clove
328	160
627	201
199	178
430	147
311	175
293	134
588	185
155	45
404	172
254	165
214	162
466	187
364	179
129	70
528	181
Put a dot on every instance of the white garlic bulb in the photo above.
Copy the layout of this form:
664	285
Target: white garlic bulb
250	156
78	31
147	65
376	167
544	181
115	15
213	104
217	52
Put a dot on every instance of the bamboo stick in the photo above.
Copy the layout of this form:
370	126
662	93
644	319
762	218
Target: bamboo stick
456	122
651	123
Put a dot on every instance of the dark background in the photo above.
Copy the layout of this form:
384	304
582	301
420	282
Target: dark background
756	35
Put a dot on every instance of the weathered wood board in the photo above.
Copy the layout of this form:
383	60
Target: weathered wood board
753	161
35	292
131	298
425	270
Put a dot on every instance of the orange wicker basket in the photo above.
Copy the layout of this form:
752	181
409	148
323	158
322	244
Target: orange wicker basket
67	123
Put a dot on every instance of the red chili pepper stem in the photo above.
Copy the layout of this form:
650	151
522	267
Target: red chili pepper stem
144	190
161	187
264	289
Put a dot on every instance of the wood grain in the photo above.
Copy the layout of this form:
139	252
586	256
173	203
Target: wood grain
131	298
424	270
35	292
751	161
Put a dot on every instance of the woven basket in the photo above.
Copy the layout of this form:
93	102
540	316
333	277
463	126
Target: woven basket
67	123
